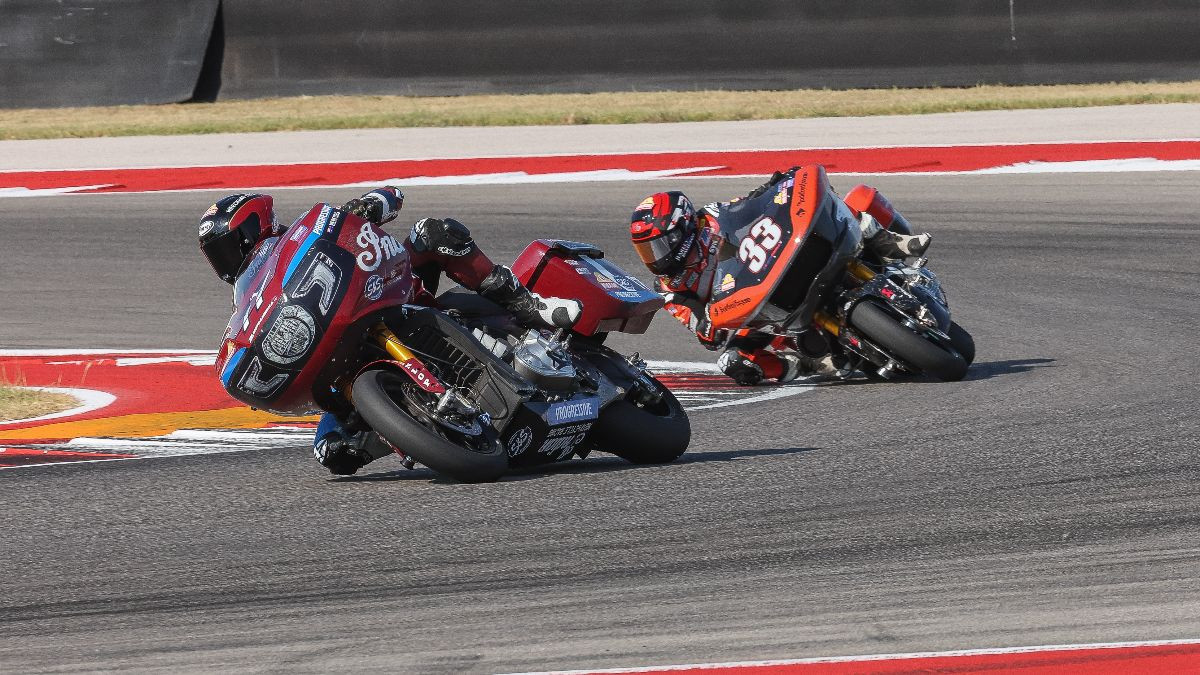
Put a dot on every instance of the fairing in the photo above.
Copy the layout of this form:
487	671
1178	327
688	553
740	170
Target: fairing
296	300
786	247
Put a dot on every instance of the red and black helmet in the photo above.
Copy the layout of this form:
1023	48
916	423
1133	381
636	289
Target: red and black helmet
231	228
663	231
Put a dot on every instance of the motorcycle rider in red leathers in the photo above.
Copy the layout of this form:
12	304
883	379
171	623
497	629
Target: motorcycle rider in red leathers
681	246
230	235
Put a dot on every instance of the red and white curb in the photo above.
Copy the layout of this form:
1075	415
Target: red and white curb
162	403
1115	658
926	160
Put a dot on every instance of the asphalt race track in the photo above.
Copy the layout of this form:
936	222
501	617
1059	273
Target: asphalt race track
1049	498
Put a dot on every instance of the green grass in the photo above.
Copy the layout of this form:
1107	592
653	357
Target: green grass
362	112
18	403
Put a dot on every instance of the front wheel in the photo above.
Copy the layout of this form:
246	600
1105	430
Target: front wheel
394	407
963	343
906	345
648	433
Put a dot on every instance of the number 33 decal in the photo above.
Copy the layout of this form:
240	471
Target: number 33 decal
754	249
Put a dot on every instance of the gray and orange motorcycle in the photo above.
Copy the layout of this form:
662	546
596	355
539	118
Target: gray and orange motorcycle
796	268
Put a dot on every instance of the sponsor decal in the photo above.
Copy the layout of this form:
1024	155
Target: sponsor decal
237	203
801	194
561	442
606	281
456	252
572	411
327	220
647	203
291	334
781	197
519	441
324	274
376	249
729	306
628	295
206	227
422	376
728	282
252	382
373	290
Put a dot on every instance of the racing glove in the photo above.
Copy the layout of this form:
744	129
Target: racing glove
378	206
338	454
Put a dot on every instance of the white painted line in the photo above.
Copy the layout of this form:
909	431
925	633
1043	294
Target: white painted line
521	177
673	367
46	192
776	392
876	657
618	153
89	400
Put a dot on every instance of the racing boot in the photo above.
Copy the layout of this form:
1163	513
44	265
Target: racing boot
891	245
798	365
379	206
502	287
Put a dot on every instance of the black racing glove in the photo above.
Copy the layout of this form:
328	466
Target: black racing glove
338	454
771	182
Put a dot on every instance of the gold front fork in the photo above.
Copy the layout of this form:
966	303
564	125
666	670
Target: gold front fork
388	340
826	322
859	271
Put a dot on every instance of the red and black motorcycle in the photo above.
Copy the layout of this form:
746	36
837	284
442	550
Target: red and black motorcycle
795	267
323	320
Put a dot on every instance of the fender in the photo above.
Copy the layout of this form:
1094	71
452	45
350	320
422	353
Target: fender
413	368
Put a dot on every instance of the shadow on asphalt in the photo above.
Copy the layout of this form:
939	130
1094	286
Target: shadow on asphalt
594	464
989	369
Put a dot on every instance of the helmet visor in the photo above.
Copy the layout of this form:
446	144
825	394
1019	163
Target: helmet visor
224	253
658	253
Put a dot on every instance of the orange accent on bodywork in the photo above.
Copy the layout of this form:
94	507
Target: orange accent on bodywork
735	310
141	425
864	198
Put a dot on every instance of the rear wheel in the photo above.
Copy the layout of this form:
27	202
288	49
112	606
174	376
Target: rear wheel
647	433
398	410
905	344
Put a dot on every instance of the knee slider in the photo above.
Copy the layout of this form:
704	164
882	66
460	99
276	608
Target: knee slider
739	368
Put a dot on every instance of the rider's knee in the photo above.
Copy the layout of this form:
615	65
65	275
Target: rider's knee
446	237
740	368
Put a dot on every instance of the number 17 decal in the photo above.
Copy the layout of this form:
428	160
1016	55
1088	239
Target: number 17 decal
763	238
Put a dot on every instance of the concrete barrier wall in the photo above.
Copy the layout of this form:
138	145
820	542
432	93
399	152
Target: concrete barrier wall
100	52
471	46
55	53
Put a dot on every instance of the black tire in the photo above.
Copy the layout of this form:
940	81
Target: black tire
375	393
654	434
963	343
907	346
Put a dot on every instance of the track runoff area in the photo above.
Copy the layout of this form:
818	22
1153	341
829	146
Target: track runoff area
130	407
